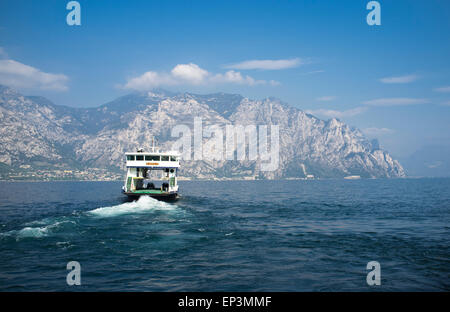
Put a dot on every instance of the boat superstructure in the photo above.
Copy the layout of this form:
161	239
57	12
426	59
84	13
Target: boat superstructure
152	173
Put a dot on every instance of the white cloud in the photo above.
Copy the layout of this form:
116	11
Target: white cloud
232	76
149	80
395	102
373	132
18	75
400	79
443	89
330	113
190	74
274	83
268	64
326	98
313	72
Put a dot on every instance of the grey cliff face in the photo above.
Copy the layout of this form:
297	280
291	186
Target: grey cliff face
34	131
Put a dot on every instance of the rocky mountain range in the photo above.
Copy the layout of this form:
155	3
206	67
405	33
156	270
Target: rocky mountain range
36	133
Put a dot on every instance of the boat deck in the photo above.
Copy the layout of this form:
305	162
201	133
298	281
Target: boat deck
148	192
158	194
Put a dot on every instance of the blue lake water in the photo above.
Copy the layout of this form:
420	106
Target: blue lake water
227	236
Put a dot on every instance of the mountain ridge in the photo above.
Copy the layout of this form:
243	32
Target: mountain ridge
34	130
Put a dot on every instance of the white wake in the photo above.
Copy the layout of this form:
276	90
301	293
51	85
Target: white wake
35	232
46	227
142	205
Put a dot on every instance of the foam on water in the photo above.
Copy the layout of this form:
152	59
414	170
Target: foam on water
32	232
45	227
37	231
142	205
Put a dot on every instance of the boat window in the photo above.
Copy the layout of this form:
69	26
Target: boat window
130	157
164	158
139	157
152	157
173	158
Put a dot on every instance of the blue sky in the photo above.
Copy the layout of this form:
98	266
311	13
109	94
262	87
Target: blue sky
392	81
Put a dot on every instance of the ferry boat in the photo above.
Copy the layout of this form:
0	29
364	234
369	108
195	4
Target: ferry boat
152	173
